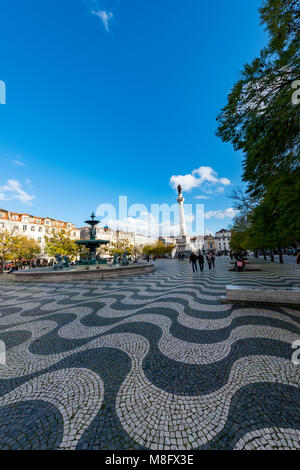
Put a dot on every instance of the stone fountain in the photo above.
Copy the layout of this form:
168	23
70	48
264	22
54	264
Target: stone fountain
92	244
90	266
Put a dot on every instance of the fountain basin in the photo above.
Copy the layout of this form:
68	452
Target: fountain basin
92	273
87	267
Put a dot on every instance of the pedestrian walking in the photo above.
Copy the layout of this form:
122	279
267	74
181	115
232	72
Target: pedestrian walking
208	259
193	260
213	260
201	261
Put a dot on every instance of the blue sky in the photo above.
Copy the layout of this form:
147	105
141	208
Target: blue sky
109	98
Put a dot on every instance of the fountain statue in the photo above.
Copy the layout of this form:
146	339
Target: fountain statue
59	263
124	260
92	244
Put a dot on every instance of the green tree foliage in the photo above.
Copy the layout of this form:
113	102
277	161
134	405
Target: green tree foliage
158	249
276	219
59	242
240	233
7	240
273	223
169	249
261	119
24	248
119	247
15	247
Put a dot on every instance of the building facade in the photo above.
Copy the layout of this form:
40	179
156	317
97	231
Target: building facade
197	243
218	243
223	238
210	243
34	227
167	240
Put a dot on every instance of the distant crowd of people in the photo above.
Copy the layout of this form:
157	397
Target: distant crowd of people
200	259
13	266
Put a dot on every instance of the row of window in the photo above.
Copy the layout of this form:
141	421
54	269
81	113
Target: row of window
32	229
40	229
31	220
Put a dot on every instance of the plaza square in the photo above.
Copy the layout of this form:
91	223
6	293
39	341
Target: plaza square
149	362
149	231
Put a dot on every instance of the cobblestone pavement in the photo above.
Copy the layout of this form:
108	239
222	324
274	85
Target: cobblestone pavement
150	362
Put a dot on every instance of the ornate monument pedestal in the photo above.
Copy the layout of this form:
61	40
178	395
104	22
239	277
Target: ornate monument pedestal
184	246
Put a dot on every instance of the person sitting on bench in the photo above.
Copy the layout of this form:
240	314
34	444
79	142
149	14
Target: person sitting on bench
240	264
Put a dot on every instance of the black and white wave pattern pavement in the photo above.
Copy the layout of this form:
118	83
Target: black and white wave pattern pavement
150	362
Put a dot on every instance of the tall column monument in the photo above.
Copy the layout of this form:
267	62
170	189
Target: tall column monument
183	240
180	200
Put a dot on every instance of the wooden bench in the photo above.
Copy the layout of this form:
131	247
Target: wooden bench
266	294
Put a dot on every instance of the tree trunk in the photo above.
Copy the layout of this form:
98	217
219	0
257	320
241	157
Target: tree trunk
2	265
280	255
272	256
265	258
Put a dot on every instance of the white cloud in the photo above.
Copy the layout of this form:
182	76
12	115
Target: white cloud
150	227
145	224
153	226
149	224
202	197
105	17
225	181
18	161
187	182
13	190
204	177
221	214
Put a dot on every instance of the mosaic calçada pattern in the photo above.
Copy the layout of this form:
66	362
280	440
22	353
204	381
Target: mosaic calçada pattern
150	362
